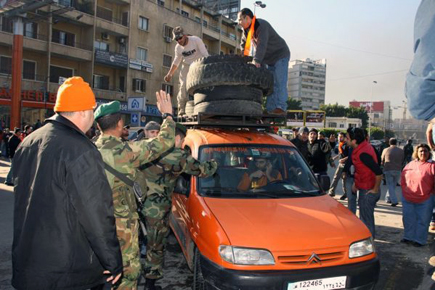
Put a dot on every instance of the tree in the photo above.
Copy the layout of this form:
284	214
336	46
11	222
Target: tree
360	113
336	110
293	104
377	133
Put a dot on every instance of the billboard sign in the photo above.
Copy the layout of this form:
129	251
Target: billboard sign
315	119
295	118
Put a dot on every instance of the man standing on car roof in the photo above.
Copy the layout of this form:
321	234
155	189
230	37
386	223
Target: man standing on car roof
188	49
268	49
367	177
122	161
161	175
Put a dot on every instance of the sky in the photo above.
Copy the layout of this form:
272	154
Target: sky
363	42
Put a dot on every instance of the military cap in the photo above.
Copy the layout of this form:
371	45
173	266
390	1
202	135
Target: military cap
107	109
181	128
152	125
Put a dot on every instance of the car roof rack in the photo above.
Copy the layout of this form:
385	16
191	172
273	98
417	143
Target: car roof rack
232	120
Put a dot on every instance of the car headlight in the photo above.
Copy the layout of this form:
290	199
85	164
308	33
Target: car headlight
361	248
246	256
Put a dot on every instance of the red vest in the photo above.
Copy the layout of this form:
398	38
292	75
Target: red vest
364	177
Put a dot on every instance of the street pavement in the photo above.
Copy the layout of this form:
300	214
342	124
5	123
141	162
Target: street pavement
402	266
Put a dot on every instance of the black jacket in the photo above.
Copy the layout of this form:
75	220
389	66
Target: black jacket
318	153
64	225
13	143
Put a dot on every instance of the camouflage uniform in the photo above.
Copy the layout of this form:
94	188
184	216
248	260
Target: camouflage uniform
161	179
127	157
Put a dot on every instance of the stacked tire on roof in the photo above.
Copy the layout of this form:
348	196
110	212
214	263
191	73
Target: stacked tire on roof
227	84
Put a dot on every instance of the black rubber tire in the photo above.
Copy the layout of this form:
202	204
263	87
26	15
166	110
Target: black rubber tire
224	58
220	93
198	278
228	74
229	107
189	108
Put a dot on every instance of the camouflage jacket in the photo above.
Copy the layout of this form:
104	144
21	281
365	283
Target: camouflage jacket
162	176
127	157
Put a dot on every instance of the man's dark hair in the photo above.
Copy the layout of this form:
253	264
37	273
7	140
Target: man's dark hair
17	130
27	127
247	12
409	141
356	134
109	121
179	133
342	133
393	141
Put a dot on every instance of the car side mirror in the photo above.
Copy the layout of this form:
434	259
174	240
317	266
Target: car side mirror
325	181
182	185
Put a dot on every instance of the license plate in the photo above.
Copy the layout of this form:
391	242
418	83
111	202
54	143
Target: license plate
320	284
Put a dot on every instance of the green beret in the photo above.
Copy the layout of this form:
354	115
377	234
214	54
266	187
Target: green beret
182	128
107	109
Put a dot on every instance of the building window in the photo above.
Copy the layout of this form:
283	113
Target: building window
204	23
332	125
63	37
197	19
57	72
341	125
99	45
29	70
143	23
167	60
7	24
167	31
161	3
141	53
5	65
101	82
31	30
139	86
169	89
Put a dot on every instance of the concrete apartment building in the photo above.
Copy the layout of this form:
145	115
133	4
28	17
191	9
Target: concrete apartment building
123	48
307	82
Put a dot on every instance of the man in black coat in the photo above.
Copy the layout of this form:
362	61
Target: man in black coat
318	153
64	224
13	143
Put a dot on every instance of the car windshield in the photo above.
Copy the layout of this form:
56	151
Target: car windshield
265	171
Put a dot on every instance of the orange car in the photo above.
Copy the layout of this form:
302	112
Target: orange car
264	222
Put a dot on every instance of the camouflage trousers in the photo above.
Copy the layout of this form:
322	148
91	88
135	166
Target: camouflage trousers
156	212
127	231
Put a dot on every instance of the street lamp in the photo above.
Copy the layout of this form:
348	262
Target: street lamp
371	108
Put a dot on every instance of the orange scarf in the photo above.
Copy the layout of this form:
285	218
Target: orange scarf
249	38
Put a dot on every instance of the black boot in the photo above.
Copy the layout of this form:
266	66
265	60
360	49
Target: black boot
343	197
150	285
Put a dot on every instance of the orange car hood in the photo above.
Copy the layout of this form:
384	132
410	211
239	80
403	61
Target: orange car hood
287	224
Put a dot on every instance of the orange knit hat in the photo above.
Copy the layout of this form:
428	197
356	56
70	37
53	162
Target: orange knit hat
74	95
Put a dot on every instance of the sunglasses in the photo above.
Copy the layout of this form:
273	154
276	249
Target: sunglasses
178	38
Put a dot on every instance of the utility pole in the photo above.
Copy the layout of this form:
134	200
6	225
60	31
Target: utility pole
17	60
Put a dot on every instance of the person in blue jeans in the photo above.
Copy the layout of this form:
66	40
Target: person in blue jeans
392	160
367	177
267	48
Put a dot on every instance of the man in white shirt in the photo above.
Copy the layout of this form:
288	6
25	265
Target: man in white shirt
188	49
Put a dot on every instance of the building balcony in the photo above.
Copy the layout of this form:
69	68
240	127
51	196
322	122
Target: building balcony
110	94
119	2
107	22
77	51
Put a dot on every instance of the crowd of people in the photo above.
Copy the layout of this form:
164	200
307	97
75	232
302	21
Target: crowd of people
361	168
